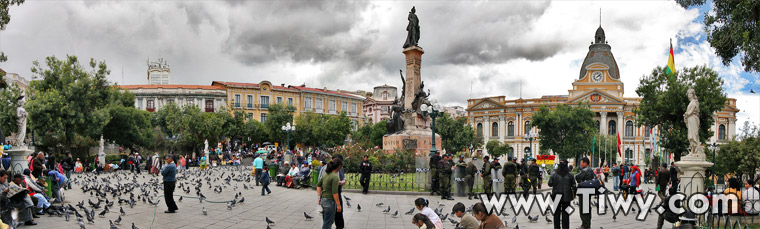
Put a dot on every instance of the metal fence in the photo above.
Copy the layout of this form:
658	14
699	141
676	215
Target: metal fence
740	219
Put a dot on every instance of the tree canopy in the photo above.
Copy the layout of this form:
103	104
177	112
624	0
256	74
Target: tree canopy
664	102
566	130
456	134
497	149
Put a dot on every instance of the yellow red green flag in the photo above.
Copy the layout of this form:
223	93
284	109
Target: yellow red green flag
671	69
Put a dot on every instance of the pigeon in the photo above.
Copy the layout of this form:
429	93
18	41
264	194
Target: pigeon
308	217
180	198
395	214
504	213
102	214
359	208
445	216
241	200
121	210
379	205
411	211
387	210
547	219
117	221
348	204
134	227
269	221
514	219
453	221
533	220
81	225
112	226
346	197
68	214
204	211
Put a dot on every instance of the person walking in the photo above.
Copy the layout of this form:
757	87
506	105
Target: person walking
258	165
615	176
485	173
265	179
673	174
327	193
562	183
444	177
510	173
68	166
663	177
585	174
469	177
365	168
169	172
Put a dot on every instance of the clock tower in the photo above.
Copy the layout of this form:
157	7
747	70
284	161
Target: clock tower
599	78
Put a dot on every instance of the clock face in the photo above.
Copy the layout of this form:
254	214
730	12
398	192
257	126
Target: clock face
596	76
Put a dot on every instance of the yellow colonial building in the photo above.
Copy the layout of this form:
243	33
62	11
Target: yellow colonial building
509	120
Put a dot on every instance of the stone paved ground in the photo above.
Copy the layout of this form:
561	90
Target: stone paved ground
286	207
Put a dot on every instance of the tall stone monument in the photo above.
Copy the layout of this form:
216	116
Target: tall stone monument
692	166
408	127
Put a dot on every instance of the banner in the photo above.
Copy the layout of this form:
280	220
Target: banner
545	159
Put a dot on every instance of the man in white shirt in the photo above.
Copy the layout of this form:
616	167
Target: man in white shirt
751	198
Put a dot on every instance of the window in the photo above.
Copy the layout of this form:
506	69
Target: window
353	107
290	102
629	156
279	100
527	127
495	129
722	132
612	127
319	104
385	109
169	101
237	101
150	106
344	107
628	128
264	101
647	131
139	104
307	103
190	102
480	130
263	117
209	105
249	99
511	129
385	95
332	106
250	116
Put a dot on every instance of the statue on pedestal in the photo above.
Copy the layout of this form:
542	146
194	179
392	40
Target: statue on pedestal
101	154
691	117
413	30
21	121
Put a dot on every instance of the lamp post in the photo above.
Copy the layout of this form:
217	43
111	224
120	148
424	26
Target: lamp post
529	150
433	111
288	128
712	168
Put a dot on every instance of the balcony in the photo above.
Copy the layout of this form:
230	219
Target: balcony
236	105
264	106
318	110
209	110
151	109
332	112
250	106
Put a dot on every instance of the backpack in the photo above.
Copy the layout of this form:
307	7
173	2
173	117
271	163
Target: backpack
593	183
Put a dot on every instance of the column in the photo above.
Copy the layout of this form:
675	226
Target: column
603	123
502	128
620	123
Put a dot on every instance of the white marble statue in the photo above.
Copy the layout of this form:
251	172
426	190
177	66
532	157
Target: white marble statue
205	150
101	154
21	121
691	117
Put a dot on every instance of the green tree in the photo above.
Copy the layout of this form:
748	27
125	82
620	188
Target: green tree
68	101
254	132
566	130
164	118
456	134
321	130
497	149
129	127
194	127
277	117
335	129
370	135
664	102
733	28
8	106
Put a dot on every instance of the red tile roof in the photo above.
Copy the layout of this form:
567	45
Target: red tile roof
172	86
248	85
326	91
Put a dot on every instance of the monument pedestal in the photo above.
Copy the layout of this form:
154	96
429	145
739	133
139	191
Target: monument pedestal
692	169
18	159
418	141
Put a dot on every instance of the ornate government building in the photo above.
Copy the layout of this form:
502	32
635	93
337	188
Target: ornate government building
598	84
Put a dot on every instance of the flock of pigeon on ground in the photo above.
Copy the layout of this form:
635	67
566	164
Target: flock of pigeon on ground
123	191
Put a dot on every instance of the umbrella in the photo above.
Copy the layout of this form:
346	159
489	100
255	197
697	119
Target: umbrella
262	151
267	143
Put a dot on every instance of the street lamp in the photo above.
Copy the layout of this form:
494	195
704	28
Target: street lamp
288	128
433	111
712	168
529	151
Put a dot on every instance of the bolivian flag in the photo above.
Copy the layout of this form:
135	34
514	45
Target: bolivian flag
671	69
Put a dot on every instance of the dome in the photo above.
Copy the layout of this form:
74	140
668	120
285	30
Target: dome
600	52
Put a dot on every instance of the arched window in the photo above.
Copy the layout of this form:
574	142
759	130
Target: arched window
511	129
480	129
722	132
611	128
495	129
646	131
598	127
629	128
385	95
527	127
629	156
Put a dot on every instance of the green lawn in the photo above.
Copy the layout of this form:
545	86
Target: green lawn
411	182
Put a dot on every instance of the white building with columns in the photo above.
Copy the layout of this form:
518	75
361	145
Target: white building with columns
599	84
153	97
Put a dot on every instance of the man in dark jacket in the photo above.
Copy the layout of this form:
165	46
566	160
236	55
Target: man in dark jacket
38	165
469	177
585	174
534	173
673	174
434	172
444	177
68	166
509	172
486	174
663	177
562	182
365	168
616	176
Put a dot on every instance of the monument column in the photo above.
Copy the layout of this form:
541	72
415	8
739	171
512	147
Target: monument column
502	127
603	123
413	78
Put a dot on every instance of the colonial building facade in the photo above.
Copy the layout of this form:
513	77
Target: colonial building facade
324	101
599	85
377	107
255	98
153	97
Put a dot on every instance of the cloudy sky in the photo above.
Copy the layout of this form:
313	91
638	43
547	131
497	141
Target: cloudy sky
472	48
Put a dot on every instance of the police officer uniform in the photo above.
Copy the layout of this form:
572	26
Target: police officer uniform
510	173
444	176
486	174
